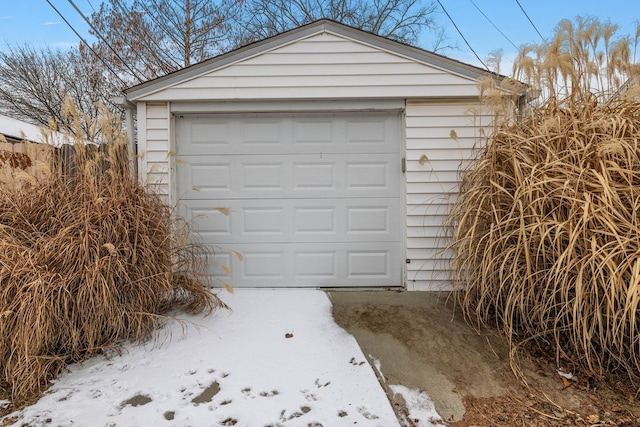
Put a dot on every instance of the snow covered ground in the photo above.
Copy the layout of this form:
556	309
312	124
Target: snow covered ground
276	359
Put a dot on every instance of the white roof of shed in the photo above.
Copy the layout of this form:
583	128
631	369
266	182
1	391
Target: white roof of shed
17	129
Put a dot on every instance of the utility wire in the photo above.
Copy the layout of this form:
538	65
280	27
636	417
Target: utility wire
131	70
461	35
532	24
494	25
106	64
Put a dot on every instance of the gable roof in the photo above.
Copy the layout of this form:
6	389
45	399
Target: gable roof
323	26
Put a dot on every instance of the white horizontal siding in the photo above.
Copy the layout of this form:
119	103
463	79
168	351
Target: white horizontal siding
154	146
323	66
440	139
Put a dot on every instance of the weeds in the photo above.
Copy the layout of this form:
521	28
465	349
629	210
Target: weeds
88	261
547	227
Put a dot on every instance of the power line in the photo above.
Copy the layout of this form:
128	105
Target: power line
106	64
494	25
131	70
530	21
461	35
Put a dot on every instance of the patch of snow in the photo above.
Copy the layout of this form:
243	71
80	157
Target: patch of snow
378	366
422	412
567	375
277	358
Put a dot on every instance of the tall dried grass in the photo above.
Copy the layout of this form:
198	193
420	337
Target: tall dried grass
88	261
547	227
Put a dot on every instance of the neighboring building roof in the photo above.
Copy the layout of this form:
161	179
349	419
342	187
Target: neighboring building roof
317	27
15	130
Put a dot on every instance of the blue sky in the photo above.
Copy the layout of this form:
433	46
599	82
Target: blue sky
36	23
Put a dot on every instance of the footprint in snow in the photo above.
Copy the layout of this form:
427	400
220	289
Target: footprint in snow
319	384
354	363
296	414
308	395
248	393
365	413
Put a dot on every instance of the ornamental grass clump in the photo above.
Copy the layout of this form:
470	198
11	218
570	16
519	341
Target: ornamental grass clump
88	260
547	227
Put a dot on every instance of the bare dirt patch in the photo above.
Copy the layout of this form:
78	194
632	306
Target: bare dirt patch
422	342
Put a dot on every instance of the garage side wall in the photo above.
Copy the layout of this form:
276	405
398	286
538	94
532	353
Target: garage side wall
154	146
440	139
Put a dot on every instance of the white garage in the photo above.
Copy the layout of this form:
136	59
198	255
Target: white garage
325	156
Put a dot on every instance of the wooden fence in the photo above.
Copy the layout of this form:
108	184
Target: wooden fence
24	161
19	161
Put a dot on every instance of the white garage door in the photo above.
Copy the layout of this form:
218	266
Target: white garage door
308	200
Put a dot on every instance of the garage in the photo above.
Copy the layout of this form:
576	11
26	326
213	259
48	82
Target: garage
307	199
325	156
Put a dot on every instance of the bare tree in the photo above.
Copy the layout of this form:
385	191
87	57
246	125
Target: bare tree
156	37
34	84
401	20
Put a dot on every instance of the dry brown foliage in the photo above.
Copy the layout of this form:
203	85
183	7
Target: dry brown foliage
86	262
547	228
15	160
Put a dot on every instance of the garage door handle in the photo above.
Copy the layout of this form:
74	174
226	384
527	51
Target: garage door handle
404	165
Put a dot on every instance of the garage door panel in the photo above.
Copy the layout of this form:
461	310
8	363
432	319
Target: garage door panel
261	133
368	263
314	133
261	176
205	134
307	264
369	220
365	134
371	175
260	265
314	176
262	220
220	263
294	220
317	264
308	175
207	178
314	219
346	132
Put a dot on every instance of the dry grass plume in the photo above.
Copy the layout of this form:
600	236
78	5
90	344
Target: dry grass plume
547	228
88	261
